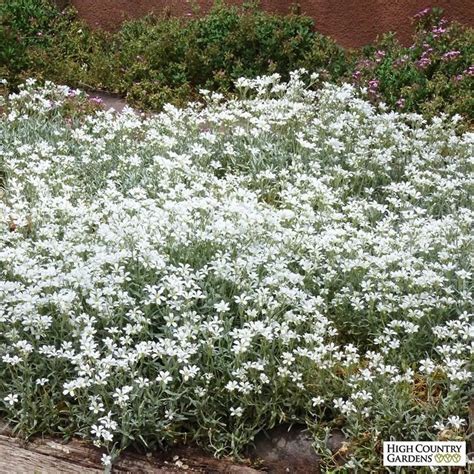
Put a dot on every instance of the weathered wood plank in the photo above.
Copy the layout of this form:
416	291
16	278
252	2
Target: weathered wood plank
49	456
16	459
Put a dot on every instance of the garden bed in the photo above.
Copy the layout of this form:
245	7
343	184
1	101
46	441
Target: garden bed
291	257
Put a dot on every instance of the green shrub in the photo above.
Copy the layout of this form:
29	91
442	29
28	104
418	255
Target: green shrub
150	60
231	43
79	56
326	57
43	42
163	55
23	23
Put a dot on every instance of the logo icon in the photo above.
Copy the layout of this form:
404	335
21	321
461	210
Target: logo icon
447	458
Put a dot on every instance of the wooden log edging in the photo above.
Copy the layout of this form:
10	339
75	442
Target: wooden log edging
51	456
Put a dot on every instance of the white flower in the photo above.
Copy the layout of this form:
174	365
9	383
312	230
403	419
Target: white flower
456	422
97	430
222	307
96	406
316	401
201	391
142	382
106	460
237	412
427	366
69	388
362	395
122	396
164	377
232	385
189	372
11	399
346	407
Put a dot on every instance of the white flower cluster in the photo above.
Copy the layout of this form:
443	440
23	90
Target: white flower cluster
259	259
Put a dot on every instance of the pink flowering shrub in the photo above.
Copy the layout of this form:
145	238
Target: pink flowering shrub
432	75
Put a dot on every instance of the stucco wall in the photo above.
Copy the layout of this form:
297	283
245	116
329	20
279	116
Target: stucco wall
351	22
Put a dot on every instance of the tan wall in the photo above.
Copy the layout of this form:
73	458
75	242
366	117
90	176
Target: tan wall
351	22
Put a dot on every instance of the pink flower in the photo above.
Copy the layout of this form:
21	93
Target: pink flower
469	71
427	48
440	29
379	55
373	86
423	62
423	13
437	32
451	55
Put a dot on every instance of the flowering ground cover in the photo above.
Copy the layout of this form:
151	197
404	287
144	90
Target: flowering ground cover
203	274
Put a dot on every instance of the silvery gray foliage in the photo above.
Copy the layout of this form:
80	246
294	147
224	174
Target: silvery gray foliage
287	255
